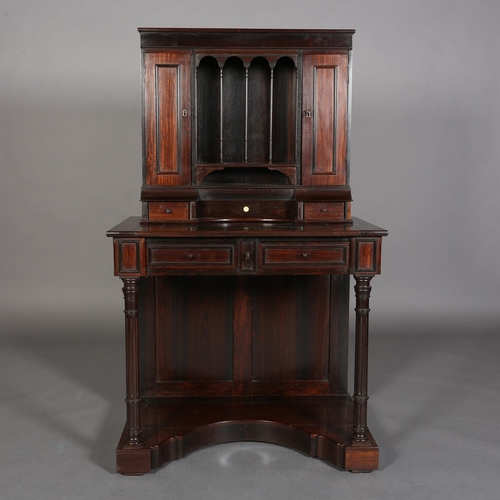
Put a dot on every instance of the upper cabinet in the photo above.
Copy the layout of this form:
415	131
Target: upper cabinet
258	109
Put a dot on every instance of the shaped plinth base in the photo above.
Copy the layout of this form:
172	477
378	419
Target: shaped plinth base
317	426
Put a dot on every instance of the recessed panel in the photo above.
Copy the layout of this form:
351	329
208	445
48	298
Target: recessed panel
129	256
324	120
194	329
290	328
167	118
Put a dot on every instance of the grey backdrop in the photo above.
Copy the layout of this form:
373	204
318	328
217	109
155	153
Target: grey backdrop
425	165
425	141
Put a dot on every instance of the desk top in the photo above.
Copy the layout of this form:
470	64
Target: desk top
132	227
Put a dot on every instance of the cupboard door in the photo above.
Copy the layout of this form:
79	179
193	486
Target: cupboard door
324	119
167	117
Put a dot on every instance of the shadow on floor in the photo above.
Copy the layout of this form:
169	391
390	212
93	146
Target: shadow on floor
89	356
442	350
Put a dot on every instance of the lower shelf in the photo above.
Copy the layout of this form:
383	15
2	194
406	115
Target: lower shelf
317	426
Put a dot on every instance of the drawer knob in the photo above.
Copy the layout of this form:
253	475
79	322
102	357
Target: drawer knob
190	256
305	255
247	256
324	210
168	211
246	209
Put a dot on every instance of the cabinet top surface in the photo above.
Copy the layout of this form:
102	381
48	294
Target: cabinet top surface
246	30
132	227
245	37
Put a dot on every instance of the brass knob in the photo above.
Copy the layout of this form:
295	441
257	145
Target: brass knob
246	209
324	210
305	255
168	211
190	256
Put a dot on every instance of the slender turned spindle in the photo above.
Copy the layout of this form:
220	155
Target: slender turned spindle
362	290
246	113
271	103
130	293
221	97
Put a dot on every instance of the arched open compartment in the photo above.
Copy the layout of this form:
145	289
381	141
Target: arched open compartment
284	111
207	111
246	112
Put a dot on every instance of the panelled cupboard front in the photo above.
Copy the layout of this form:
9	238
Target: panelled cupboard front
236	276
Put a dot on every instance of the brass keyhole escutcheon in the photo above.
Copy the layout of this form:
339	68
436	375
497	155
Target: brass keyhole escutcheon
246	209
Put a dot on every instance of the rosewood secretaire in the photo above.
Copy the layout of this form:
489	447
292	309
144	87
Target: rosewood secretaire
236	276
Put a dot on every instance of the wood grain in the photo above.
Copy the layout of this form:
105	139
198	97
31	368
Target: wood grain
167	133
324	119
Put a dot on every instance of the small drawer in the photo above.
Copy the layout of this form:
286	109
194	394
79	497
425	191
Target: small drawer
169	211
195	256
246	210
314	256
324	211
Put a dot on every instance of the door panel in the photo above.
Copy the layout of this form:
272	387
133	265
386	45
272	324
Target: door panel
324	119
167	120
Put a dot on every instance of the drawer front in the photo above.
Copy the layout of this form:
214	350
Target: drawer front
169	211
302	257
324	211
191	257
246	210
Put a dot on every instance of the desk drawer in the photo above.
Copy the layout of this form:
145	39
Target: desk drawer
304	257
169	211
198	257
246	210
324	211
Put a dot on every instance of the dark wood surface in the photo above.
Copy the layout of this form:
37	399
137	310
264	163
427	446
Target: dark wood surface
245	38
317	426
237	275
254	108
223	316
133	227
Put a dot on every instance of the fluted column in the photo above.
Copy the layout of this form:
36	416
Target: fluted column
130	294
360	428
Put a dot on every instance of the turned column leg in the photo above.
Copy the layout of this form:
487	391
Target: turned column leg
362	290
130	292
